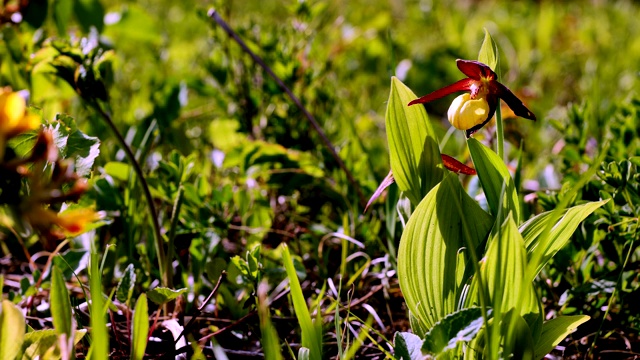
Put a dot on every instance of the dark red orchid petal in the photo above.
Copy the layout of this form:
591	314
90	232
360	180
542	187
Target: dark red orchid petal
475	69
492	100
388	180
456	166
514	103
460	85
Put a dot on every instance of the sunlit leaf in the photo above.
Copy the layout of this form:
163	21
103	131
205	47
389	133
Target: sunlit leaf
270	340
140	328
413	147
504	271
12	328
162	295
40	342
60	303
432	257
555	330
519	337
118	170
561	232
99	334
311	332
23	143
489	52
493	174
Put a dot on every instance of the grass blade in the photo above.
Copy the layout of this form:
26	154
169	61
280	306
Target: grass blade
311	333
100	336
140	328
60	304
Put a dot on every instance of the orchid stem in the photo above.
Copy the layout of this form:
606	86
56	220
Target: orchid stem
500	132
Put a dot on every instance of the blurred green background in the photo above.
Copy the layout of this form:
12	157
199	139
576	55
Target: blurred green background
201	113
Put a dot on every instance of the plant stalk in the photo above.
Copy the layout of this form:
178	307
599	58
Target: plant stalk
499	131
213	14
153	214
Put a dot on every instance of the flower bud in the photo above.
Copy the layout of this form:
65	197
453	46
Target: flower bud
465	113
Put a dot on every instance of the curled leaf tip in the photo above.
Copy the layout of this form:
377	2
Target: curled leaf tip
388	180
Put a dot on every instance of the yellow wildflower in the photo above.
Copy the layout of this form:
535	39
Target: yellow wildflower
14	118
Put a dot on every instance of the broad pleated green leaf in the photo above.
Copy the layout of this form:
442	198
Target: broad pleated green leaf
140	328
462	325
561	232
504	271
12	327
492	174
413	147
60	303
555	330
431	258
520	344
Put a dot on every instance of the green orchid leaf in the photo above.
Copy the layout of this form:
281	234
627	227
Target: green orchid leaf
519	337
413	146
504	272
460	326
433	254
561	232
493	174
555	330
489	52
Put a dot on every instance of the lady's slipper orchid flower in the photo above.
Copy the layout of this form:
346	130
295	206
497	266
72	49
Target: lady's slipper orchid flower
470	112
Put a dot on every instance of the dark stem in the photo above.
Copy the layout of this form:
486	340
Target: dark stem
213	14
205	338
204	303
153	214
